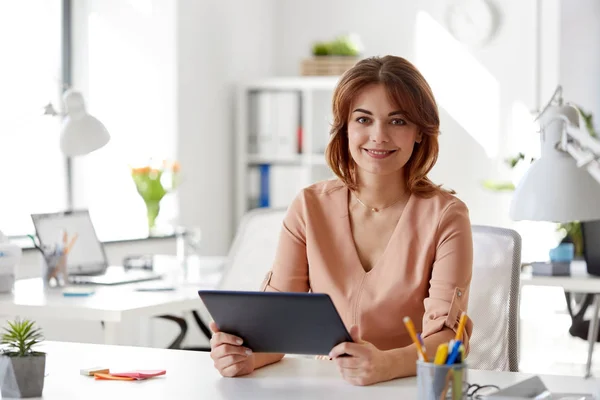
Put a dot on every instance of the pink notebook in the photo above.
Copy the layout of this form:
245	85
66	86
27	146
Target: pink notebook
140	374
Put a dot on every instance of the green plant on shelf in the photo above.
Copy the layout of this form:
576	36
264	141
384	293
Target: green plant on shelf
571	230
344	45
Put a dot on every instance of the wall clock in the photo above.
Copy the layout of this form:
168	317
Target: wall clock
472	22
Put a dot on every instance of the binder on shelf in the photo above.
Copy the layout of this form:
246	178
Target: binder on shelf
253	187
286	181
274	120
274	186
285	120
263	198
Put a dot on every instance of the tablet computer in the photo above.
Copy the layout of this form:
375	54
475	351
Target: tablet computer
278	322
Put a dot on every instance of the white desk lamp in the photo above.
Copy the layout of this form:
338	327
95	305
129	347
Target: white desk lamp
81	133
563	185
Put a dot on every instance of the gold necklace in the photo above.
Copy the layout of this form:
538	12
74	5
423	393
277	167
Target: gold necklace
375	209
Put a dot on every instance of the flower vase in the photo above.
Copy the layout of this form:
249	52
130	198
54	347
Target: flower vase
152	210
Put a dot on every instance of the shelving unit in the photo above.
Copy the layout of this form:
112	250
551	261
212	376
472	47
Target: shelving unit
301	102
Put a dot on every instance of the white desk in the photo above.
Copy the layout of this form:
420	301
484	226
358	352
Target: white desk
579	282
191	375
114	304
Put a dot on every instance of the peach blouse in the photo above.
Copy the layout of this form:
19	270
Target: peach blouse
424	272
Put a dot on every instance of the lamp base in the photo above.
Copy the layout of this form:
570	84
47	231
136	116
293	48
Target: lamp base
551	268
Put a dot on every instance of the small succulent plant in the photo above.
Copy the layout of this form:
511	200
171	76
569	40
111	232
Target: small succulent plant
20	337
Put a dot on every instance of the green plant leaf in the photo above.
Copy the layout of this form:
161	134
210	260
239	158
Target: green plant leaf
20	337
588	118
498	186
513	161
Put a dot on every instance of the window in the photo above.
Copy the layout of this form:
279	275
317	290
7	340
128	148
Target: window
125	63
32	168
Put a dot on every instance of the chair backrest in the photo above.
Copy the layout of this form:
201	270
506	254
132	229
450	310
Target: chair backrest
494	299
253	250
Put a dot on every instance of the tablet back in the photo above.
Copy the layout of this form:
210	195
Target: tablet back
275	322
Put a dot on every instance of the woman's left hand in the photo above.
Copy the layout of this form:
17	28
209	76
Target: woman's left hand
360	362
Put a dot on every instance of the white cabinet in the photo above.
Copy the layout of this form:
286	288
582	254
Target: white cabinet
282	130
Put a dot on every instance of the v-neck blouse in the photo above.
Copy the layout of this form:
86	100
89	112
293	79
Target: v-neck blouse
424	272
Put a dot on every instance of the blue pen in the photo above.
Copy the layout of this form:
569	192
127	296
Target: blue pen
454	353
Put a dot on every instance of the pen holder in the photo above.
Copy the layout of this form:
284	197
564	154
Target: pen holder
440	382
55	269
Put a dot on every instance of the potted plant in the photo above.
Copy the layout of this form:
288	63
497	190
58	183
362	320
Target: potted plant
333	57
153	182
21	368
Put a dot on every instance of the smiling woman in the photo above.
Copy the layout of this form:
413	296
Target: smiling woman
383	241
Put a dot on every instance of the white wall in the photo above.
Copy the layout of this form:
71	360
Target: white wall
219	42
580	54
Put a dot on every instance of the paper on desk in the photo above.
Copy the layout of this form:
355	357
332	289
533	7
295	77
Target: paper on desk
534	388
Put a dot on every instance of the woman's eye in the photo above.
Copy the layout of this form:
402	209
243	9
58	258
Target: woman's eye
398	121
362	120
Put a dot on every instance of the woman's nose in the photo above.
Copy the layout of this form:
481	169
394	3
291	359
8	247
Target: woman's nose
379	133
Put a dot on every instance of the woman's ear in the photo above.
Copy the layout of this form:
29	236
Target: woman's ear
419	137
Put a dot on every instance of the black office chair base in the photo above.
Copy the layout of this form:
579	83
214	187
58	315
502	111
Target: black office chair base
177	343
579	326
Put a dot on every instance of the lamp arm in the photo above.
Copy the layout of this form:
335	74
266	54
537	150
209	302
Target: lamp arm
584	148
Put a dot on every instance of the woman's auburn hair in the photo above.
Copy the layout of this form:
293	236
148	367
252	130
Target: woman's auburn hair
405	87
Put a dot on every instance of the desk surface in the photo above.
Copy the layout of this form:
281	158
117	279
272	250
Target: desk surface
579	281
112	303
190	375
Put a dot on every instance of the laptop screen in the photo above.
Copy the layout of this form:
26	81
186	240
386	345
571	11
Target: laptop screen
86	254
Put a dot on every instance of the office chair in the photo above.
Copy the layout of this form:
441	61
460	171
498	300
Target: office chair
494	299
249	260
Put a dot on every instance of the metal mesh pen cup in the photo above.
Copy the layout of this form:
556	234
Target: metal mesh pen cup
440	382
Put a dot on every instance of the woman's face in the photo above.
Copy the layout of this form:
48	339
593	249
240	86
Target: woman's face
381	139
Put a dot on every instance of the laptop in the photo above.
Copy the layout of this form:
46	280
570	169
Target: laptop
87	262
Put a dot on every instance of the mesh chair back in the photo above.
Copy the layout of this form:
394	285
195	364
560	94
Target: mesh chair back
253	250
494	299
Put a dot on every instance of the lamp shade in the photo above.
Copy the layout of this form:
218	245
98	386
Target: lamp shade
554	188
81	133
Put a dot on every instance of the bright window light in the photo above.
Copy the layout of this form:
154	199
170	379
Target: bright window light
130	87
32	168
462	86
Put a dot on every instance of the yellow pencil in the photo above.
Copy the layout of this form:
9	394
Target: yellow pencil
461	326
413	335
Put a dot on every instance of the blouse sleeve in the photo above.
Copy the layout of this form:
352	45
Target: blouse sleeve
451	273
289	272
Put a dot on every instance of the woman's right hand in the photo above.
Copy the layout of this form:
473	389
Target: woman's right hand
230	357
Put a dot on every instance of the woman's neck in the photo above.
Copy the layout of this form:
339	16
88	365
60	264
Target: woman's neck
379	191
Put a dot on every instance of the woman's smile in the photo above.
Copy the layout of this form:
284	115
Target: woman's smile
379	154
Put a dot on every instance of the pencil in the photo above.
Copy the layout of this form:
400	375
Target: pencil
413	335
461	326
71	243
